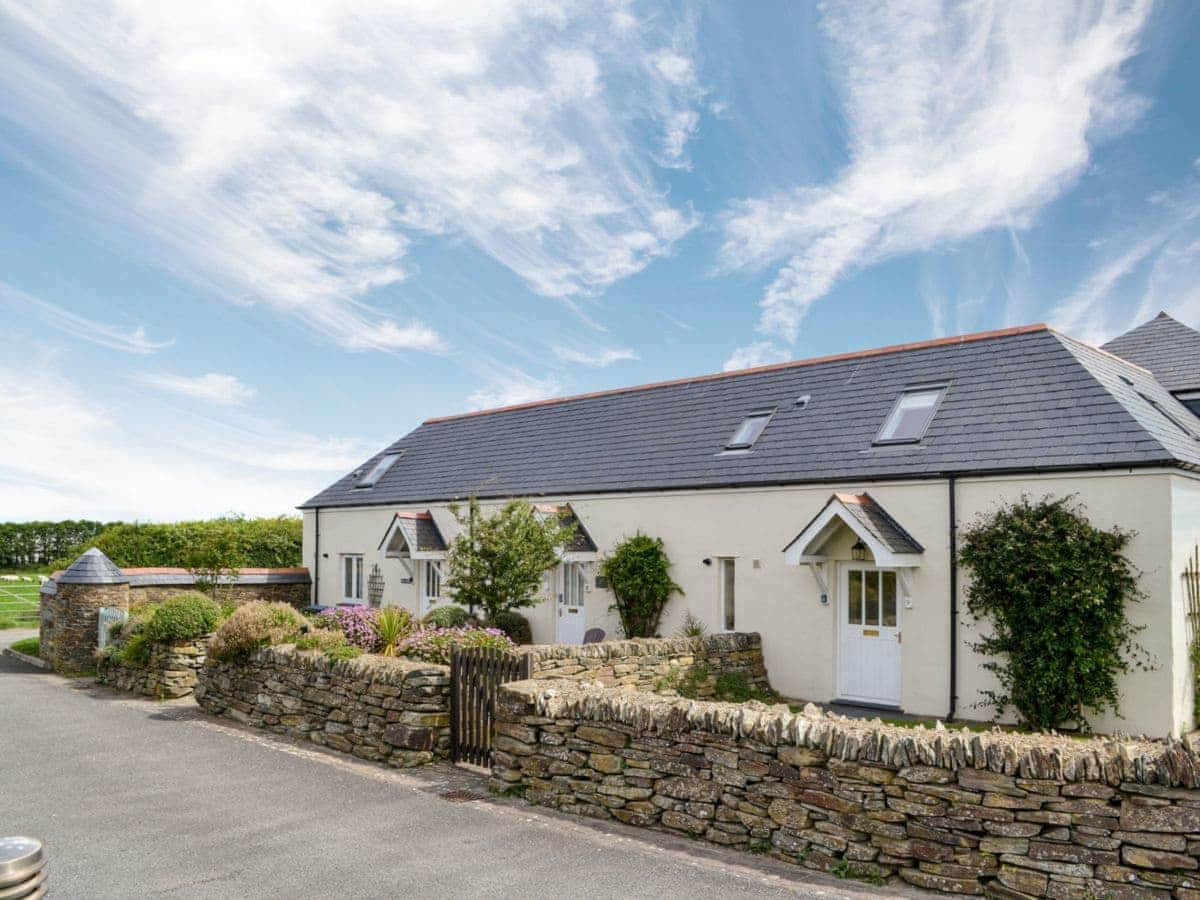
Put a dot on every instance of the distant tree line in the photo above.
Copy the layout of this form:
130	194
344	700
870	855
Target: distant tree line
33	545
273	542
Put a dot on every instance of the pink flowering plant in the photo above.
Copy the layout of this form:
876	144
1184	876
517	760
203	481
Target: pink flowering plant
435	644
356	622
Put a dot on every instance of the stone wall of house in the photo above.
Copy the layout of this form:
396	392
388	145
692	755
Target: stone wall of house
391	710
1009	815
295	594
70	626
648	664
172	670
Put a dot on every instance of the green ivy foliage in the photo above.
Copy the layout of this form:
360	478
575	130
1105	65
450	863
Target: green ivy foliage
639	576
1054	589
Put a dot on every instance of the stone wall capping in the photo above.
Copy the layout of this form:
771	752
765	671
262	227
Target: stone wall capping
1113	761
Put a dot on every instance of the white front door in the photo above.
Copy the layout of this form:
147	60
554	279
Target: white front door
869	626
571	592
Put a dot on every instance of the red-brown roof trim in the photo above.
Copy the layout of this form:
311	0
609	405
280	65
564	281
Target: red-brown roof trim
774	367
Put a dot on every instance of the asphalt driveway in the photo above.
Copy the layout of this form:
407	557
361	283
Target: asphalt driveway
136	798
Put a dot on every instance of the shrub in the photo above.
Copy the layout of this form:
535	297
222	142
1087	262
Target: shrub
7	623
392	625
638	574
325	641
449	616
259	542
255	625
183	617
1054	588
356	622
30	646
515	625
734	687
344	652
135	651
692	626
434	644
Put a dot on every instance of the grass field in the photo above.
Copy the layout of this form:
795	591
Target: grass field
19	603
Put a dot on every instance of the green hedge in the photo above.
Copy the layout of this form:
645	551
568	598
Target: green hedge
261	542
183	617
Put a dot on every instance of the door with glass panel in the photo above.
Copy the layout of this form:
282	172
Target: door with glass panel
869	661
571	593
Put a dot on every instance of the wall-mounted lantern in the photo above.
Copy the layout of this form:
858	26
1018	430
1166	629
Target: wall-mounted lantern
859	551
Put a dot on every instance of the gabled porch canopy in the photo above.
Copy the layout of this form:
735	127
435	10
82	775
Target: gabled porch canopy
413	536
891	546
581	547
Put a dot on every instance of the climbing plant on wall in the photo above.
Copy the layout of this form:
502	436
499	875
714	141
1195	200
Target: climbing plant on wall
1054	590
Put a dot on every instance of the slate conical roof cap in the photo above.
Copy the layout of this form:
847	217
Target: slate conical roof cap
93	567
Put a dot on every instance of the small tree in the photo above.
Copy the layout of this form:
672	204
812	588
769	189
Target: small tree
214	556
1055	588
498	561
639	576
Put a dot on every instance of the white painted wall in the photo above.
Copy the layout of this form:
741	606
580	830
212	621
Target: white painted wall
783	602
1185	514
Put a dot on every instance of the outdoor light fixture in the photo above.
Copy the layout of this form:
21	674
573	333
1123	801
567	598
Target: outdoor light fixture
707	560
858	551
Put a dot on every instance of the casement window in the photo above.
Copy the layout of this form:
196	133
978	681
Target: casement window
431	580
910	416
352	578
749	431
378	470
726	571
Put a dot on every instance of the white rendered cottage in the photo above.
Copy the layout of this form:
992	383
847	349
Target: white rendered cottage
816	502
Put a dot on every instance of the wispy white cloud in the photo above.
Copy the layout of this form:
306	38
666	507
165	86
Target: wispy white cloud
760	353
127	340
68	453
597	358
961	119
214	387
292	154
513	388
1157	267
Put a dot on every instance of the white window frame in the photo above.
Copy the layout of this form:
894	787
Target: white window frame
939	390
722	562
353	565
431	567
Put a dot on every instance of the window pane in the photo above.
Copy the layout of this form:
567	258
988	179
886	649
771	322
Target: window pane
358	578
748	432
579	585
911	416
348	575
871	611
889	599
855	598
378	470
727	593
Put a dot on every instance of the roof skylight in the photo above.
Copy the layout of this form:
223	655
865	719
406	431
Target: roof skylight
1169	417
910	417
748	432
379	470
1190	399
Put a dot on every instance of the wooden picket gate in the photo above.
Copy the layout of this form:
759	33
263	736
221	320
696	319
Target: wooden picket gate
476	674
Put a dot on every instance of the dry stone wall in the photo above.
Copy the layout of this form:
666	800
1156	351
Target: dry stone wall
646	664
1007	815
389	710
171	672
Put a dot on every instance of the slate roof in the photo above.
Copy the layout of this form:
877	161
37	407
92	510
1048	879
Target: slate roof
581	541
1165	346
427	536
93	567
1018	400
879	522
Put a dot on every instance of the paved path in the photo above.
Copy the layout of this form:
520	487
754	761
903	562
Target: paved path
136	798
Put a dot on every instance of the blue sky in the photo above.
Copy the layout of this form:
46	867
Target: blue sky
242	249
